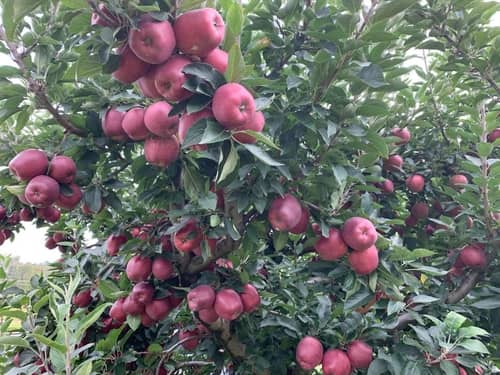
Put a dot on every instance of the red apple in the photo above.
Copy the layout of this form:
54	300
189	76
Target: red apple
332	247
116	312
62	169
28	164
285	213
336	362
49	214
139	268
199	31
250	298
42	191
163	269
161	151
364	262
359	233
200	298
218	59
114	243
174	301
166	243
415	183
147	84
228	304
7	233
82	299
301	227
386	187
208	316
133	124
411	221
146	321
393	163
158	309
50	243
473	256
96	19
3	211
131	68
190	339
420	210
188	238
132	307
69	201
457	181
256	124
112	125
58	237
360	354
187	120
25	214
233	105
404	134
309	353
157	120
143	292
169	79
494	135
152	42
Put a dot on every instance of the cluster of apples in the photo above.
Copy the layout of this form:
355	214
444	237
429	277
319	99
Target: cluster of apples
48	184
310	353
471	256
9	222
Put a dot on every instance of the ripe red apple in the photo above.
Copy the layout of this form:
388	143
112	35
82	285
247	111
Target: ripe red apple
174	301
116	312
152	42
42	191
457	181
96	18
157	120
218	58
201	297
285	213
403	133
188	238
161	151
228	304
336	362
3	212
461	371
130	68
332	247
114	243
169	79
146	321
143	292
2	238
163	269
473	256
132	307
364	262
58	237
393	163
158	309
309	353
7	233
415	183
256	124
233	105
360	354
49	214
28	164
62	169
192	339
301	227
25	214
494	135
166	243
50	243
359	233
386	187
250	298
199	31
71	200
420	210
187	120
112	125
82	299
133	124
147	84
208	316
139	268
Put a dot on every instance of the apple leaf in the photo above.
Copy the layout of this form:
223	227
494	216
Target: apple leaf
262	155
260	137
391	8
372	75
206	73
230	164
204	132
235	64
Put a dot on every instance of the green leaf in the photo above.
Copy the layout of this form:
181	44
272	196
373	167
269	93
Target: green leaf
422	298
85	368
91	318
362	297
231	229
487	303
235	18
205	132
13	313
475	346
230	164
402	254
391	8
448	367
275	320
262	155
466	332
454	320
372	107
14	12
372	75
432	44
133	322
260	138
205	72
484	149
93	198
280	239
378	367
235	64
14	341
75	4
50	343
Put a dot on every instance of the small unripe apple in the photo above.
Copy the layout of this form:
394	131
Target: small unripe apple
256	124
457	181
163	269
143	292
233	105
473	256
62	169
82	299
42	191
161	151
494	135
228	304
132	307
309	353
393	163
250	298
192	339
420	210
169	79
25	214
336	362
208	316
147	84
359	233
218	58
415	183
364	262
130	68
133	124
188	238
158	309
29	164
157	120
139	268
116	312
360	354
403	133
114	243
112	125
152	42
285	213
71	200
200	298
332	247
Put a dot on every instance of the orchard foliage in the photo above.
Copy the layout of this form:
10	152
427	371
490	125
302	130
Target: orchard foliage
386	110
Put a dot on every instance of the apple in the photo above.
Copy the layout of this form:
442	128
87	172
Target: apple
190	339
188	238
201	297
69	201
393	163
494	135
25	214
96	18
415	183
285	213
403	133
14	218
420	210
130	68
2	238
50	243
332	247
169	79
42	191
336	362
457	181
152	42
7	233
228	304
199	31
116	312
161	151
218	58
143	292
256	124
146	321
49	214
3	212
166	243
112	125
187	120
359	233
157	120
114	243
62	169
233	105
174	301
29	163
147	84
360	354
163	269
158	309
82	299
133	124
309	353
364	262
250	298
132	307
301	227
139	268
208	316
16	360
386	187
473	256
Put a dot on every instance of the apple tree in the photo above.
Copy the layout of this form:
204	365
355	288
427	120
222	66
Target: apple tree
267	187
